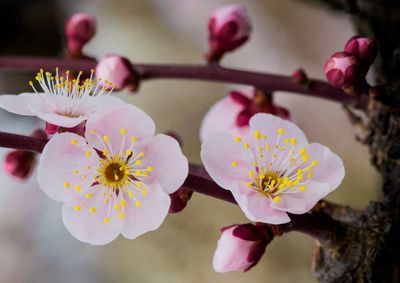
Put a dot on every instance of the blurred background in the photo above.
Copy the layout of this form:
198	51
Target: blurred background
288	34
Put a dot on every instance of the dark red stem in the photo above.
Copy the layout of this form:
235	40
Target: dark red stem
216	73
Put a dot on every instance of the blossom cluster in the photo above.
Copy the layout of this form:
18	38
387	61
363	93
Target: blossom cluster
115	175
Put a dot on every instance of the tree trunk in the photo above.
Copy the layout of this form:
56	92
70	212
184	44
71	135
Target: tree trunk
369	250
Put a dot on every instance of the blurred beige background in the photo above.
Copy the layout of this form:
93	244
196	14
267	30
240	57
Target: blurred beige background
35	246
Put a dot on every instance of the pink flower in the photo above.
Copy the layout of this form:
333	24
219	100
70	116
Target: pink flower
117	70
232	113
229	27
240	247
79	29
61	101
273	170
114	180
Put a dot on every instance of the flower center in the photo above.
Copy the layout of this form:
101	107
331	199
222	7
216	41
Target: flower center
114	172
267	183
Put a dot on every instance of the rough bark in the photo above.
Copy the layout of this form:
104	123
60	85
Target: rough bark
369	251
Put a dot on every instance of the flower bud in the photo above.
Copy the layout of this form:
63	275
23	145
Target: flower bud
51	129
343	70
363	48
19	163
240	247
79	29
118	71
179	200
229	27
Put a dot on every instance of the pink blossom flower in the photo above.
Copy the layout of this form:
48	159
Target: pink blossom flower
273	170
61	101
114	180
232	113
240	247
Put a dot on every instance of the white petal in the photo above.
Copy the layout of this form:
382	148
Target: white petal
110	122
149	216
330	167
218	153
20	104
59	160
170	166
257	207
90	227
299	202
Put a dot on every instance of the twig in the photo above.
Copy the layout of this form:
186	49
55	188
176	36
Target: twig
215	73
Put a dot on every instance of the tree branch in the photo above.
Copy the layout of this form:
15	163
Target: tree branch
215	73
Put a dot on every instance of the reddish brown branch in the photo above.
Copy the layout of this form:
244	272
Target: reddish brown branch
215	73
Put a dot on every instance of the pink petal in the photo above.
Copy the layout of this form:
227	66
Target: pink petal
57	163
19	104
269	124
231	253
60	120
299	202
106	101
90	227
110	122
330	167
257	207
222	118
149	216
218	153
170	166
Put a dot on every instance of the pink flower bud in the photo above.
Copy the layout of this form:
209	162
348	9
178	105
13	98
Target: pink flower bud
229	27
79	29
179	200
118	71
363	48
343	70
51	129
19	164
240	247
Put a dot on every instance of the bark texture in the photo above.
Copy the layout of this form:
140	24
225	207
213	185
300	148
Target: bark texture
369	249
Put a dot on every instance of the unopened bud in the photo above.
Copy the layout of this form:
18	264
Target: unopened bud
364	48
179	200
344	71
229	27
79	29
240	247
116	72
51	129
19	163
